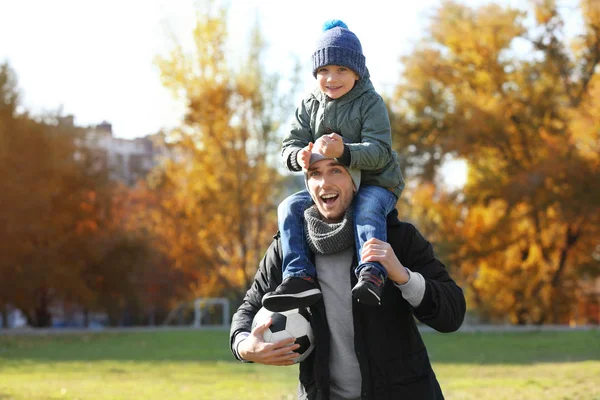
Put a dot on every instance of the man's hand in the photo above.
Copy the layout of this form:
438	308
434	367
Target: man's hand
303	156
381	252
331	145
255	349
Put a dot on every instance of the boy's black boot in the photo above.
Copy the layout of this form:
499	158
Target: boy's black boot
369	288
293	293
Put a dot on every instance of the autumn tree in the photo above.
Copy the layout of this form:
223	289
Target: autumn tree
132	278
520	104
220	188
9	101
54	211
41	190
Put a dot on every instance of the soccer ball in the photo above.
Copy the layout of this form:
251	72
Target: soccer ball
292	323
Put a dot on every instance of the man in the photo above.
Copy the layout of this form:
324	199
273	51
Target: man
362	352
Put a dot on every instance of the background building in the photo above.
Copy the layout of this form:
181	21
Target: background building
127	160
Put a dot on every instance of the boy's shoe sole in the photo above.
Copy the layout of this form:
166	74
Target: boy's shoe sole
294	292
284	302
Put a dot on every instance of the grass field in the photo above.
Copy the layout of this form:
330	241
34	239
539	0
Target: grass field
198	365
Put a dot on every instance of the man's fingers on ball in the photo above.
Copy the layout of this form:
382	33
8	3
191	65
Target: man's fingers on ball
288	355
285	342
267	323
287	349
292	347
283	359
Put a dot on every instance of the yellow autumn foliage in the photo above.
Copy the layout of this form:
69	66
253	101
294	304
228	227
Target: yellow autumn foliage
523	230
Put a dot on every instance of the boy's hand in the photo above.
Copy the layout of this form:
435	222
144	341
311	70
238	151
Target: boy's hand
331	145
303	156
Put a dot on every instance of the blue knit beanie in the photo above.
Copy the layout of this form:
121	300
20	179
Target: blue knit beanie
338	46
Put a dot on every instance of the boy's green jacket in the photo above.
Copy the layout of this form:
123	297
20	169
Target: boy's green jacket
361	118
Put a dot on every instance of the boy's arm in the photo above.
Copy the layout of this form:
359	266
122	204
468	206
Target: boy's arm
298	138
375	149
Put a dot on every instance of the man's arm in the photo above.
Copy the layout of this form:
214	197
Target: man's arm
411	284
266	279
247	344
443	306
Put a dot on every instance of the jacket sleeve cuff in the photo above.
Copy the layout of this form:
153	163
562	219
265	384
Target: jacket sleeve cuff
292	161
346	158
238	339
414	289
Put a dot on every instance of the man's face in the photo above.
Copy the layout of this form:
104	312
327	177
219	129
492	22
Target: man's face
331	188
336	80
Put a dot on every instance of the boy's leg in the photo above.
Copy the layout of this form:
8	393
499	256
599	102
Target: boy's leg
372	204
298	288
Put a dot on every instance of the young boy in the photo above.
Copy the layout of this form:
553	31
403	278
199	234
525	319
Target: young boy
343	118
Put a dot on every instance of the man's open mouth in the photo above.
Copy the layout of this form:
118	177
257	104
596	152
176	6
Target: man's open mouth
329	198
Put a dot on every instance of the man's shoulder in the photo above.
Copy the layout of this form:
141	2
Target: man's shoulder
399	229
273	254
394	222
275	245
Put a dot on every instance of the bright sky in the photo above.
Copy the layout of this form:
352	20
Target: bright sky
95	59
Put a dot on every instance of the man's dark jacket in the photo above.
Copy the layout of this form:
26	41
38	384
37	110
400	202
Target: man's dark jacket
393	360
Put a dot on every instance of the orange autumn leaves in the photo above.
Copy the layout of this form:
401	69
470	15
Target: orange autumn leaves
521	108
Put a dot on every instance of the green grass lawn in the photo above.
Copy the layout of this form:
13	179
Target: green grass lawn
198	365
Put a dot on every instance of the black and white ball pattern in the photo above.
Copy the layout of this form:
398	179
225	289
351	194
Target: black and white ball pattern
292	323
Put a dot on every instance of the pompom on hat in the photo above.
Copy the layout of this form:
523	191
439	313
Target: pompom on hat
338	46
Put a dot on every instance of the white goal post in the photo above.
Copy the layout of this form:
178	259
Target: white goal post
203	302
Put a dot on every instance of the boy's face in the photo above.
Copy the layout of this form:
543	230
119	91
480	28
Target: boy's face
335	80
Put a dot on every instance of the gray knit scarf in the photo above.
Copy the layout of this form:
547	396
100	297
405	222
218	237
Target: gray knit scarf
326	238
